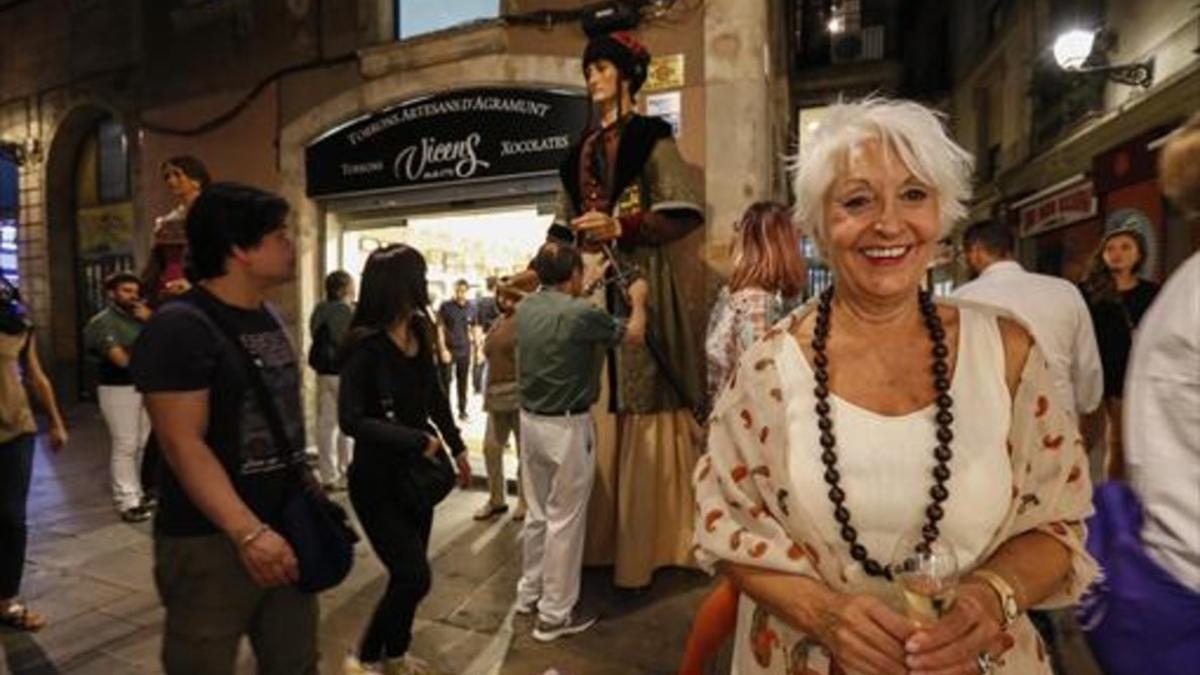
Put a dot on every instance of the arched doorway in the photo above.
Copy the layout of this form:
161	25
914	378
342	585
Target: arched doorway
90	218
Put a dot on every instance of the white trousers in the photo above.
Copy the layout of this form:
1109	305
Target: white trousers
329	436
557	470
128	427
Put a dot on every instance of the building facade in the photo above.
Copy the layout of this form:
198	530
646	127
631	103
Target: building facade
97	94
1065	156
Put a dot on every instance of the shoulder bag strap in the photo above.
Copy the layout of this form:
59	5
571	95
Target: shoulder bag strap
254	366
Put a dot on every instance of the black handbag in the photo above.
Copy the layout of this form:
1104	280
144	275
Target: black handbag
428	479
317	528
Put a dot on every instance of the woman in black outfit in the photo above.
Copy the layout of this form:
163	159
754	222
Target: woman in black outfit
1117	298
392	333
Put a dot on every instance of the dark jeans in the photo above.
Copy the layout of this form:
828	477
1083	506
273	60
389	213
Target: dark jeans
461	369
211	603
16	468
399	533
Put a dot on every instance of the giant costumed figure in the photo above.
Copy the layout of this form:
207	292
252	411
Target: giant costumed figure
627	195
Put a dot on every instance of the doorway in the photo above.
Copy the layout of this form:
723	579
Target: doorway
475	245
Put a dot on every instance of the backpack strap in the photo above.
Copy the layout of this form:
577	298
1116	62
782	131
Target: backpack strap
204	306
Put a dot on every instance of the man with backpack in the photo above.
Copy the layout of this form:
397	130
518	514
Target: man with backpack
328	325
221	382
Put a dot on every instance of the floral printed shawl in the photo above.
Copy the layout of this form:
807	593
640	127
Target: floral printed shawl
746	515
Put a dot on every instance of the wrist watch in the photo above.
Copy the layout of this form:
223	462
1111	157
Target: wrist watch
1004	591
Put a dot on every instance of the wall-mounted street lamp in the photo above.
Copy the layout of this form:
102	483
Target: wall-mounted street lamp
1075	51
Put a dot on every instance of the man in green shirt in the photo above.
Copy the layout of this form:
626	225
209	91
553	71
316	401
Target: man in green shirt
108	338
561	340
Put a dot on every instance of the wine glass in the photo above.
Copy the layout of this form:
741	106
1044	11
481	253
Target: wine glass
927	573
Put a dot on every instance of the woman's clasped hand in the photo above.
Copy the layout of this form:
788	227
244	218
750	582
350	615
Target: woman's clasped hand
865	635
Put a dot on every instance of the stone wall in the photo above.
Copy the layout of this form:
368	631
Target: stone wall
163	74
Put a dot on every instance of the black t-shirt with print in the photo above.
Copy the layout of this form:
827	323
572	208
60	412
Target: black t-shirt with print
182	351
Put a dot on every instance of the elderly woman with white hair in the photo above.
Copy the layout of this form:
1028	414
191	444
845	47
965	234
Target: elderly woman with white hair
876	423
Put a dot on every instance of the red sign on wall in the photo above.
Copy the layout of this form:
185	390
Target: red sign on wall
1063	208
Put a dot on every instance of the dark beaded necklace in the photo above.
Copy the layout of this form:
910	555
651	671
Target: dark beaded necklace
942	452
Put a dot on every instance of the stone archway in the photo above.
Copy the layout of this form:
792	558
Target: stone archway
488	70
60	346
494	69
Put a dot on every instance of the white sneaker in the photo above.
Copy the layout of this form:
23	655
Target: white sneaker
525	608
575	624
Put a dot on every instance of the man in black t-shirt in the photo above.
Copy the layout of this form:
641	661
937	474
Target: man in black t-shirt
458	336
221	570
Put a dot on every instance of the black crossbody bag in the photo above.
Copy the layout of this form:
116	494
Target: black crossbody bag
429	479
317	528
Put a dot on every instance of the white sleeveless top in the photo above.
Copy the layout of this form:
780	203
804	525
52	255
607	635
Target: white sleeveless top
886	462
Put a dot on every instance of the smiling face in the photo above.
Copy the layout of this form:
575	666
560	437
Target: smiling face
881	225
1122	253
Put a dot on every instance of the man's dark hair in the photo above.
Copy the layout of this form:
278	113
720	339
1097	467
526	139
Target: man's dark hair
191	167
336	284
123	277
228	215
556	262
461	283
994	236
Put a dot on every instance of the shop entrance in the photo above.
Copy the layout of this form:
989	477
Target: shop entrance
476	245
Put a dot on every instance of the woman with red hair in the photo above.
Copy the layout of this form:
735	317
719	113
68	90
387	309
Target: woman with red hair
767	280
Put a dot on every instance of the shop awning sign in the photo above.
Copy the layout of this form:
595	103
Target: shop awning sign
1056	210
454	137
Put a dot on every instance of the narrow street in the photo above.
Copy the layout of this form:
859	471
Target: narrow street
90	574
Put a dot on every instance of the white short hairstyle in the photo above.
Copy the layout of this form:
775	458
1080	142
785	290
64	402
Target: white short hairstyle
914	131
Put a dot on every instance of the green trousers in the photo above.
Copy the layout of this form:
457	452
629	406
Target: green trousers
211	603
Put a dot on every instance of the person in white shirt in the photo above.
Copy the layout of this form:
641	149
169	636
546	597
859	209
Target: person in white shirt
1052	309
1162	399
1162	424
1054	312
1145	617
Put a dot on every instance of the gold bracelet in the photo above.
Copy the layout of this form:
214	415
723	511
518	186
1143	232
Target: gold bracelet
258	532
1009	606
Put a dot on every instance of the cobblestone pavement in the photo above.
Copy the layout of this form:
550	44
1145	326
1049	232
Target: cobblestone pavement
90	574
